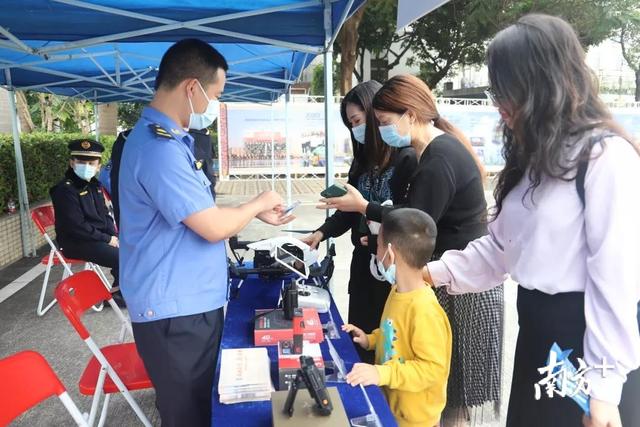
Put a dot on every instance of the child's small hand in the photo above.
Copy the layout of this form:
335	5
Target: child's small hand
363	373
359	337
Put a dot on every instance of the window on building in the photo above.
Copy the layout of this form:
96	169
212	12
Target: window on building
379	69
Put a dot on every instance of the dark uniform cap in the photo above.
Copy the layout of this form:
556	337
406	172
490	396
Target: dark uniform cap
86	148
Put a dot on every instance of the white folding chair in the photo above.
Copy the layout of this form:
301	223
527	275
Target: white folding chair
113	368
44	217
27	379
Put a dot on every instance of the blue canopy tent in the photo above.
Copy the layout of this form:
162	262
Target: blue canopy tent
109	50
126	71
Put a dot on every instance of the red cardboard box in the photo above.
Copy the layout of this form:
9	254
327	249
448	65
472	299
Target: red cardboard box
272	327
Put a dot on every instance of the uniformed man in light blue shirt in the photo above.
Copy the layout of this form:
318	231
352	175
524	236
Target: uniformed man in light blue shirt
173	264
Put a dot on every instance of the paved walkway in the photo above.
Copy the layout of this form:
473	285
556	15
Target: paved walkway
239	187
52	335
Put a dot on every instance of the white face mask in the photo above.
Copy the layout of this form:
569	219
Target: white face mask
85	170
359	132
203	120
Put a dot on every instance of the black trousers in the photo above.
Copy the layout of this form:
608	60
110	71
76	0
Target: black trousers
367	297
180	356
100	253
545	319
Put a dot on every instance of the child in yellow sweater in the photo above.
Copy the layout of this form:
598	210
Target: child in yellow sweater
413	343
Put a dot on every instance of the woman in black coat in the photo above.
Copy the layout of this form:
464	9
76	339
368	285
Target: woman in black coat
380	173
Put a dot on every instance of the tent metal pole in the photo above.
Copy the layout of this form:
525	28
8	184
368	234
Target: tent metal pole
68	81
101	68
273	151
170	25
75	77
218	142
19	43
328	99
343	18
286	142
28	247
96	115
135	75
138	76
259	57
58	58
266	89
239	75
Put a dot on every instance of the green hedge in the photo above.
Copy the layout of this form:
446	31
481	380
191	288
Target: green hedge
45	157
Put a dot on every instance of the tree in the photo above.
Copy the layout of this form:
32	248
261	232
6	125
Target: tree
52	113
129	113
593	20
24	114
377	34
347	42
317	80
454	34
629	39
457	32
46	113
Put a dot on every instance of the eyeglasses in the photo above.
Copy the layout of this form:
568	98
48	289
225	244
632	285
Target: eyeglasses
491	94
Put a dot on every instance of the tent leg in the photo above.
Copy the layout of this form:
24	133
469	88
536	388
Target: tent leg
329	136
273	153
286	141
96	117
28	247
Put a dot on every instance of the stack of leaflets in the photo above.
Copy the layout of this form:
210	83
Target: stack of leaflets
244	375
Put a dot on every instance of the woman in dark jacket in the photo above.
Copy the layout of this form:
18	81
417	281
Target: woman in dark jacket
380	173
448	185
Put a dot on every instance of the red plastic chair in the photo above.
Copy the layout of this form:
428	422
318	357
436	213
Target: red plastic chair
114	368
44	217
27	379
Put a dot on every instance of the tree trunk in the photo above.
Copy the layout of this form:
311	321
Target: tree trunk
361	55
82	116
46	113
638	85
348	49
23	112
43	118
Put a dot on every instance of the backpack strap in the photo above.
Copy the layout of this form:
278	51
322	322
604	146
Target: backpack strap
583	165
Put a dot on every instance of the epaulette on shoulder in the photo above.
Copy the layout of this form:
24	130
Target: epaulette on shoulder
159	131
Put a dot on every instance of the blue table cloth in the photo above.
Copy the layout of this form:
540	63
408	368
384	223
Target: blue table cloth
238	333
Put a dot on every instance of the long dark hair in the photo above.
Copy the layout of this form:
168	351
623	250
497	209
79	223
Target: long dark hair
538	74
374	154
404	93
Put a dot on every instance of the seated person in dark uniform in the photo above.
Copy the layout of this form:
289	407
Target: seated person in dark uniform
84	228
204	152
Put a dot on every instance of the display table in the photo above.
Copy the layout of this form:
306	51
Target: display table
238	333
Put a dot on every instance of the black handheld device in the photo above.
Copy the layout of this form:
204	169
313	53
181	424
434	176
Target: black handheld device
310	374
290	300
335	190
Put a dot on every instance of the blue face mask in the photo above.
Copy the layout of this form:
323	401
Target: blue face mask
358	132
390	135
201	121
388	273
85	171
